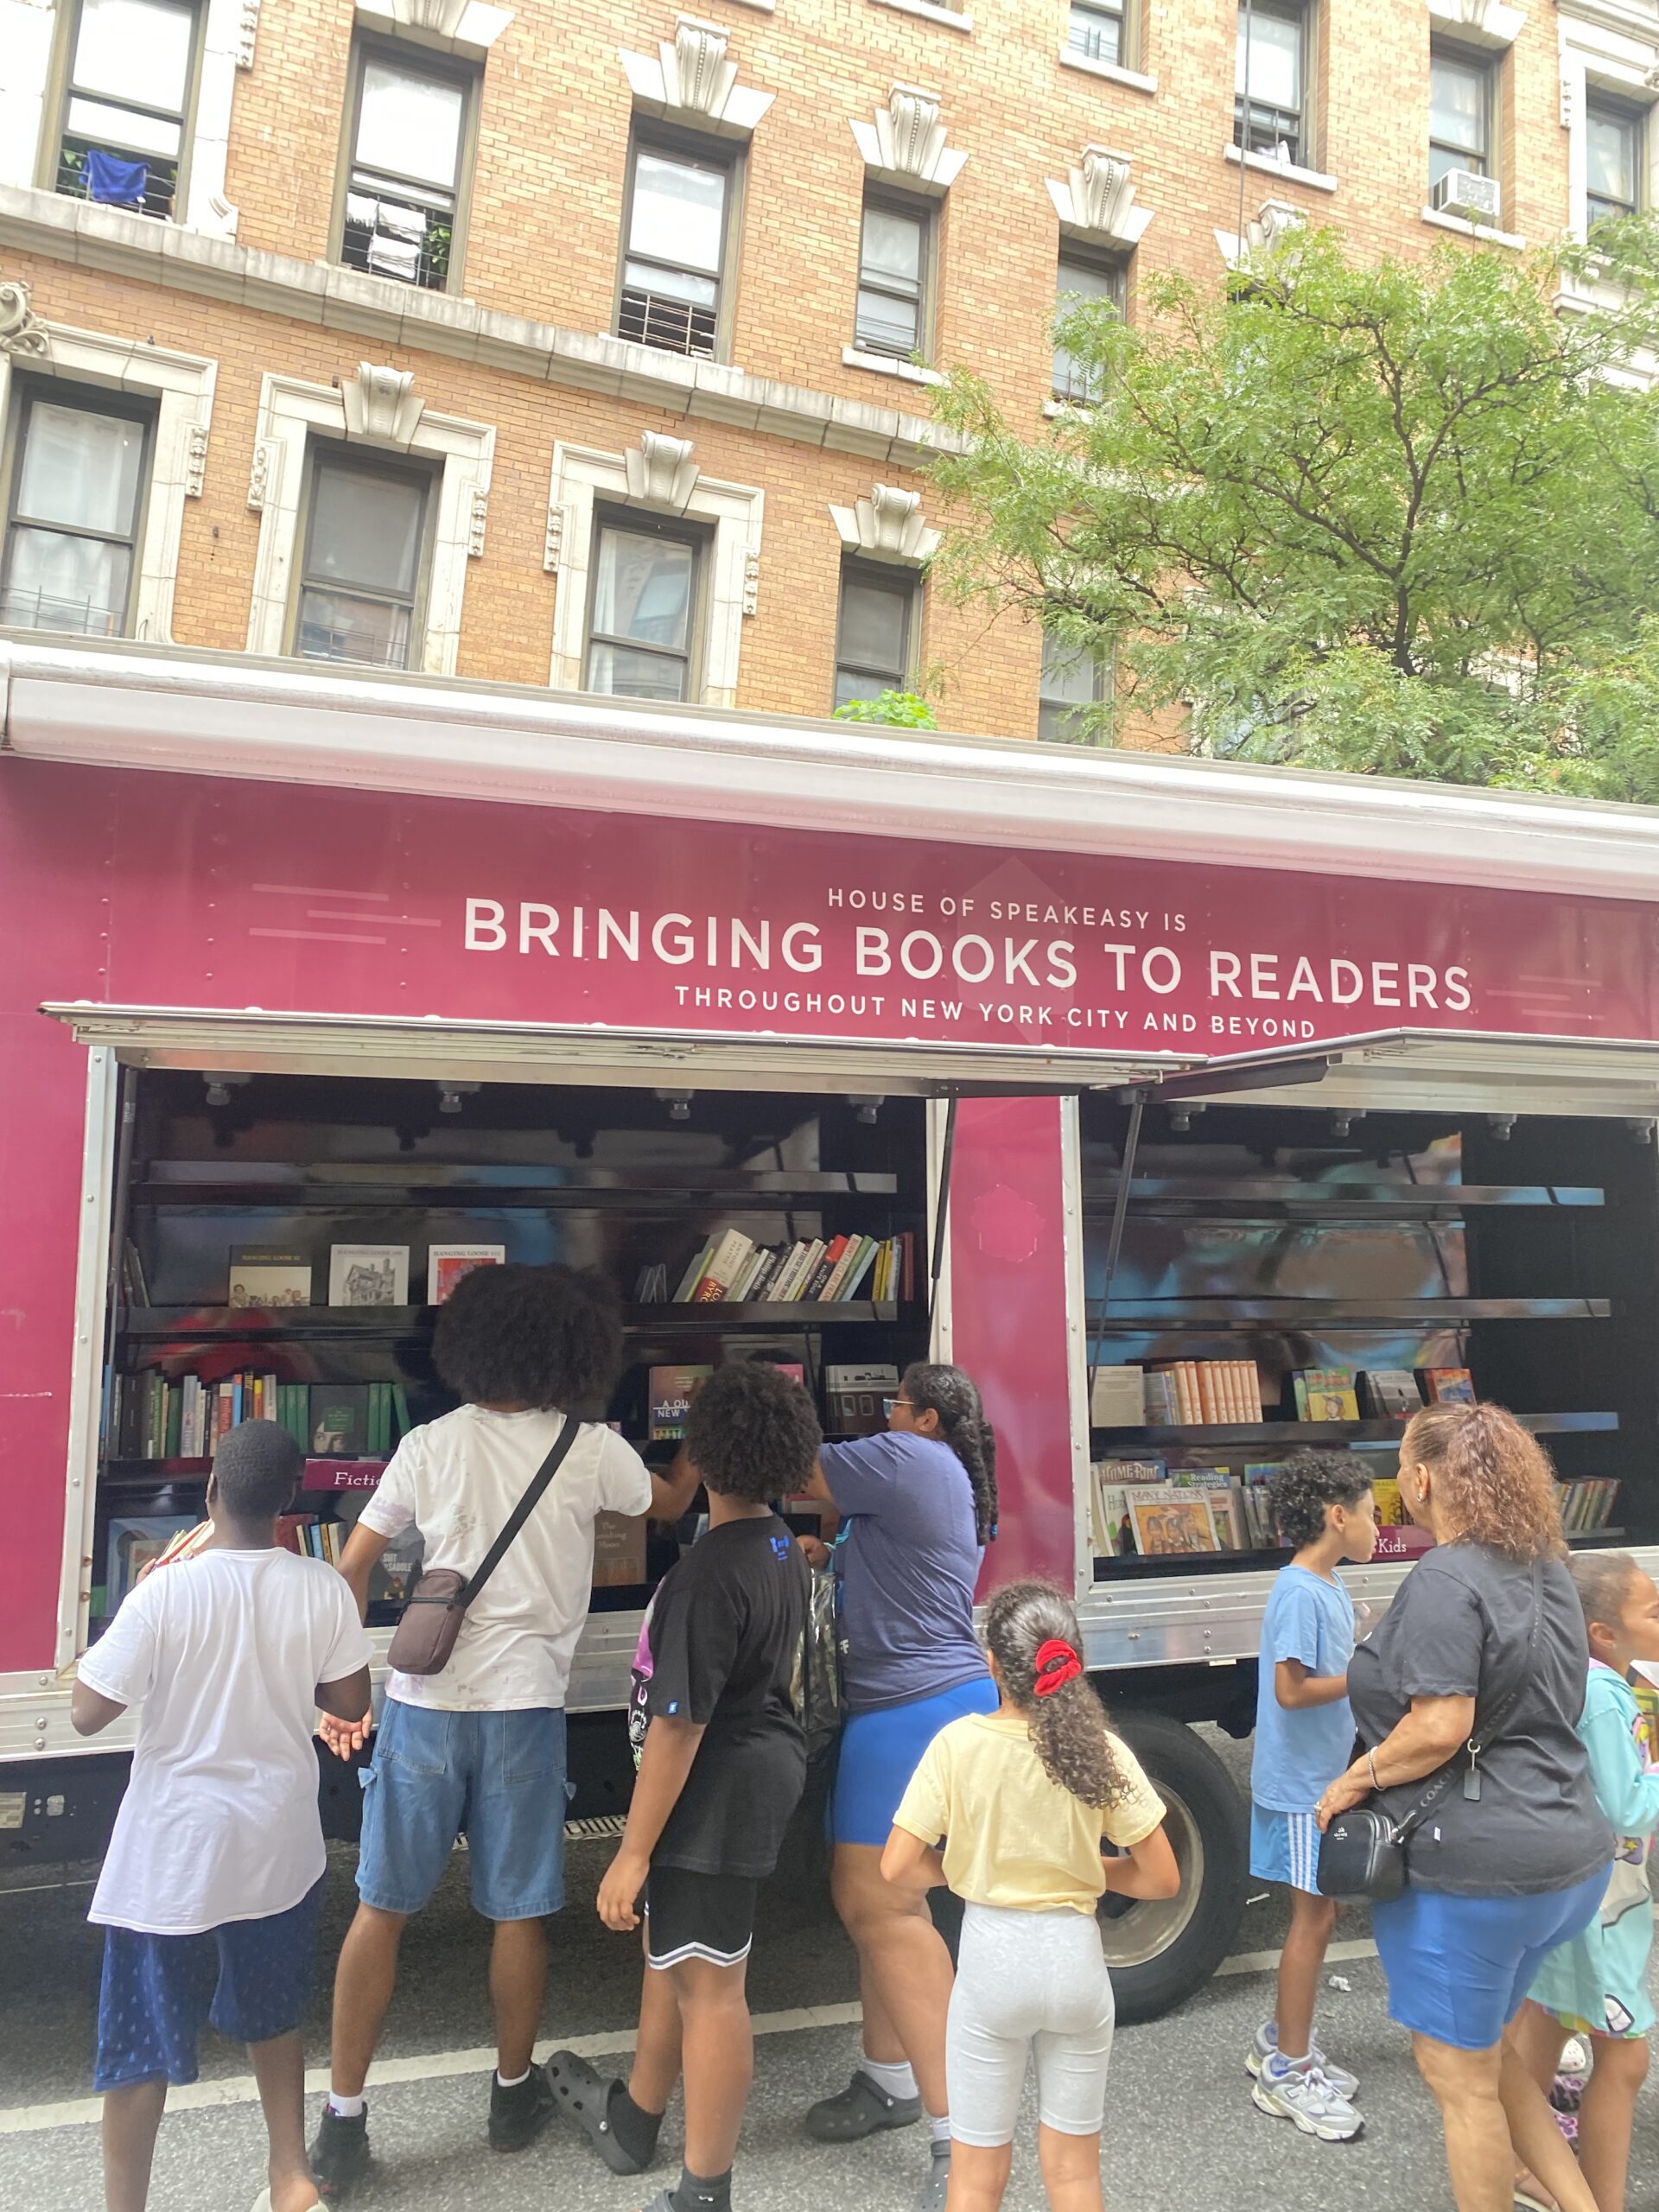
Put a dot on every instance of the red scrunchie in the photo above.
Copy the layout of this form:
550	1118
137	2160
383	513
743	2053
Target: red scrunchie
1056	1665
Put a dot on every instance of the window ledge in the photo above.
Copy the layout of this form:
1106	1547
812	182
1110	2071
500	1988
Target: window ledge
1076	410
1286	172
948	18
887	364
1468	230
1109	70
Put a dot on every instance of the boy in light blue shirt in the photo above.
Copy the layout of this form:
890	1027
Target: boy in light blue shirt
1323	1509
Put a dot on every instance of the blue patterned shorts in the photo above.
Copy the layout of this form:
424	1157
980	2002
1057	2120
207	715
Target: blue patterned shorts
250	1979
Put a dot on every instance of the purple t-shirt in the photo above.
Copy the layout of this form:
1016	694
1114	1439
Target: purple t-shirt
909	1564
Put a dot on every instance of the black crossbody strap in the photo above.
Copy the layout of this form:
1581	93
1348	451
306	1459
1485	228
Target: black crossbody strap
521	1512
1494	1720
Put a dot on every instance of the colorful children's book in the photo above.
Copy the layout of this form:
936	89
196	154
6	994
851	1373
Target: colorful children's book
447	1263
670	1392
1447	1386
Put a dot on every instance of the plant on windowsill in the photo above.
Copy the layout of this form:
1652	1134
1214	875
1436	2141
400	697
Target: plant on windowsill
902	710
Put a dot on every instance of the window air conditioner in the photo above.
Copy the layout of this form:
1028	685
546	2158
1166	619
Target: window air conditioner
1461	192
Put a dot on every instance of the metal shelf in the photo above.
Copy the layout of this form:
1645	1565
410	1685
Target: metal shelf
321	1192
1335	1432
1149	1316
188	1325
810	1313
1164	1197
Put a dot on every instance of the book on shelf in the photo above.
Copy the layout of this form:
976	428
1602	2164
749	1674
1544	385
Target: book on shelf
1162	1404
730	1268
368	1275
1588	1505
651	1288
1202	1394
447	1263
267	1275
1390	1506
1170	1523
1391	1393
158	1417
134	1288
1226	1497
1258	1503
727	1263
855	1397
1119	1398
1447	1386
339	1419
670	1393
1326	1394
135	1542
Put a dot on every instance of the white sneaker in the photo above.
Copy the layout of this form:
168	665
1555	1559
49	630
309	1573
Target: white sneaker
1303	2095
1266	2046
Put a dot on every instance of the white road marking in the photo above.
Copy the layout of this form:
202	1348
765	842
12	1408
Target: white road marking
1266	1961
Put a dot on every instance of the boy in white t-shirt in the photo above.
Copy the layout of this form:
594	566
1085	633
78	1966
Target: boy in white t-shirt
210	1887
479	1749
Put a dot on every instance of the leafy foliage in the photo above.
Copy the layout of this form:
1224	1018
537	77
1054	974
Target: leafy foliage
902	708
1398	519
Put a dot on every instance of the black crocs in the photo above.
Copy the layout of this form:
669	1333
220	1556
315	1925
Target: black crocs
586	2095
861	2109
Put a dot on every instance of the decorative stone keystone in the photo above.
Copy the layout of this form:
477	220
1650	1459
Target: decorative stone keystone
381	407
906	143
1096	200
661	472
22	334
693	80
887	525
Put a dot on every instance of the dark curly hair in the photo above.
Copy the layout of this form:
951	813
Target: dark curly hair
954	1398
1068	1727
1305	1484
752	1433
545	1336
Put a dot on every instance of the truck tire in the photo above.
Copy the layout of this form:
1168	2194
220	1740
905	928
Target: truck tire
1161	1952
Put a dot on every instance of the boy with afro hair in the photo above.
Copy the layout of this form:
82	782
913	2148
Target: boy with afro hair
1323	1512
722	1771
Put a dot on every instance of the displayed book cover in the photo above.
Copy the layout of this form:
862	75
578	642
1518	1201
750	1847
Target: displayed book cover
1119	1400
1113	1527
260	1275
368	1275
670	1391
1326	1394
1130	1470
1447	1386
1391	1393
727	1263
1170	1523
447	1263
339	1419
1162	1406
1390	1506
855	1397
619	1550
133	1543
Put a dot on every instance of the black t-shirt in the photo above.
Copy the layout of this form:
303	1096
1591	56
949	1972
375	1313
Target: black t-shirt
725	1632
1458	1628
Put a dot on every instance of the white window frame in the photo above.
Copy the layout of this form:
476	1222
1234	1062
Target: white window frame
1599	59
291	413
28	36
181	387
584	478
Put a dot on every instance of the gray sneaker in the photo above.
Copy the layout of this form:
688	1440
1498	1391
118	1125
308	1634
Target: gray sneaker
1303	2095
931	2196
1266	2046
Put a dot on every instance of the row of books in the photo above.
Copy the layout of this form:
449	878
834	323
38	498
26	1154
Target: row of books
733	1269
1586	1505
154	1416
1141	1509
1222	1393
261	1277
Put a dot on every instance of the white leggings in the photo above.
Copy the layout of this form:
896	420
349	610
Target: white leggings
1028	1984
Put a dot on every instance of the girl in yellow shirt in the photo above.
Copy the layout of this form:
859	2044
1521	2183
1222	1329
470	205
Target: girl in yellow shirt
1021	1799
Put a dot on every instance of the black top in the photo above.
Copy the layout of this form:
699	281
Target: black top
725	1632
1458	1628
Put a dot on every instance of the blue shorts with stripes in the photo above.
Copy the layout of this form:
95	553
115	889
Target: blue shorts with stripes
1285	1847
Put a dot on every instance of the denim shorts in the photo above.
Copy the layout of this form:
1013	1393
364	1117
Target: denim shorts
1460	1968
497	1778
250	1979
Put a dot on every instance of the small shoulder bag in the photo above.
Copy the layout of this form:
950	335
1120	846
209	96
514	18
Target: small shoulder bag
424	1638
1363	1853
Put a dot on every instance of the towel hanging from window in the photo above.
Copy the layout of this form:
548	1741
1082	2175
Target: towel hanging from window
115	182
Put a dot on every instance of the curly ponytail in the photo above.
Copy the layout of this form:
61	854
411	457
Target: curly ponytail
1493	1480
954	1398
1068	1728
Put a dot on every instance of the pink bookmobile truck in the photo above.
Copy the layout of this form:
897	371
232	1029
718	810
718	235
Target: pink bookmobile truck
1145	1088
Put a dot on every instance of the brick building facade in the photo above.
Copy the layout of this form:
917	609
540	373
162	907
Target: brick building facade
573	344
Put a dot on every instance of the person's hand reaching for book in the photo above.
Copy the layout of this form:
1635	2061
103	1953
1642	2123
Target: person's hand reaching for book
345	1738
816	1551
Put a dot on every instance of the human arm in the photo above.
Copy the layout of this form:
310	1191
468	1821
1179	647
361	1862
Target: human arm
671	1494
1627	1788
347	1699
120	1669
358	1562
347	1719
1297	1688
911	1866
1146	1869
671	1746
1434	1730
90	1711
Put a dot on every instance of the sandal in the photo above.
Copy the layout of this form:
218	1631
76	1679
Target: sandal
585	2096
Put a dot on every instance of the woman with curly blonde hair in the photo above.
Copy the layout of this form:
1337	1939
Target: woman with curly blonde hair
1479	1667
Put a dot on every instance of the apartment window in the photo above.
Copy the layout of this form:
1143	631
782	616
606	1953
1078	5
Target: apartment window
1612	161
1073	679
409	124
364	568
892	277
642	624
873	640
679	214
1460	115
1270	81
1079	278
127	96
1097	31
72	523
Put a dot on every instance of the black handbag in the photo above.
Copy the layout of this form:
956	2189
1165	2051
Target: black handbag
1363	1853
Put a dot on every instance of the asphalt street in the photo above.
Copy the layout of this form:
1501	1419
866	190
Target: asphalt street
1182	2131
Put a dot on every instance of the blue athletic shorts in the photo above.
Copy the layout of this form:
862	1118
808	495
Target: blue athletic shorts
881	1751
497	1778
1460	1968
250	1979
1285	1847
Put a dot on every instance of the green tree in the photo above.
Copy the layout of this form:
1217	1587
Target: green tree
1403	520
903	709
